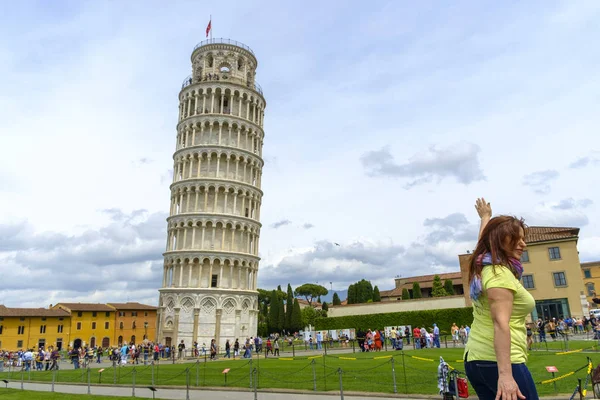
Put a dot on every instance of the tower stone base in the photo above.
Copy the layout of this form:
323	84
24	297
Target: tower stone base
202	315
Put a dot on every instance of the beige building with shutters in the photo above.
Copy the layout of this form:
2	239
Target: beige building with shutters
211	261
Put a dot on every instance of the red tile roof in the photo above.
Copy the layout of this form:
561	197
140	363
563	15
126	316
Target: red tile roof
132	306
536	234
84	307
31	312
590	264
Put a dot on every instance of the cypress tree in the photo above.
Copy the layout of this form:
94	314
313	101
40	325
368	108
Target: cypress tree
405	294
296	317
325	307
449	287
289	306
336	299
376	294
416	290
437	289
281	315
273	313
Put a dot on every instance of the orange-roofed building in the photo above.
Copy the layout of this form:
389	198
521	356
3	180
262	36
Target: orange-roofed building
92	324
425	283
552	272
134	322
32	328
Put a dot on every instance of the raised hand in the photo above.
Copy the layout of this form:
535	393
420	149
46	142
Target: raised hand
484	209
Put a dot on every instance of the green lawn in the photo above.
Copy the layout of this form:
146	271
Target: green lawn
367	373
17	394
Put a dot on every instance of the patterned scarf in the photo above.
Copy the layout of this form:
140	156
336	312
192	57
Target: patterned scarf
486	259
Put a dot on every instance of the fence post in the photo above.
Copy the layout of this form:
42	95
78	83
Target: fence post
394	376
187	384
341	384
22	377
293	349
314	375
580	389
455	378
89	377
53	379
114	375
251	373
404	371
353	348
255	386
152	373
133	382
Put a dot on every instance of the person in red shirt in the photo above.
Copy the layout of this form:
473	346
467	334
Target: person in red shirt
417	337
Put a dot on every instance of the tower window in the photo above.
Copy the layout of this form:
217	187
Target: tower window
214	281
225	69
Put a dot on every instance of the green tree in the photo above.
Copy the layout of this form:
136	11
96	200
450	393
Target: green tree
273	314
296	317
289	306
281	315
405	294
336	299
437	289
310	291
352	294
325	307
376	295
449	287
309	316
416	290
360	292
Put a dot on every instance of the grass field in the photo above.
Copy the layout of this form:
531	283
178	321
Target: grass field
17	394
364	372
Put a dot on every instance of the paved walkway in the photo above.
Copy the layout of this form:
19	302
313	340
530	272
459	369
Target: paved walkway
177	394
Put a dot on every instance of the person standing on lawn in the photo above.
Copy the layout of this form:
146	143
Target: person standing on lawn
500	307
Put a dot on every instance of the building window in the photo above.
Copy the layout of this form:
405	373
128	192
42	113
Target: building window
134	313
133	325
107	314
559	279
43	318
106	325
42	328
61	319
22	319
93	325
145	313
213	282
591	289
120	325
79	326
60	328
528	282
525	256
79	314
21	330
1	327
19	344
121	313
554	253
587	274
94	314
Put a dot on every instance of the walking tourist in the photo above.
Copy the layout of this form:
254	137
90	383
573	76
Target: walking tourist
500	307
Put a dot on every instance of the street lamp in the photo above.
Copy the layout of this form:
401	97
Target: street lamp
331	283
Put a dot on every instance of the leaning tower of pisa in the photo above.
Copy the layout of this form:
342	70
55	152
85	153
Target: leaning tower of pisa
211	261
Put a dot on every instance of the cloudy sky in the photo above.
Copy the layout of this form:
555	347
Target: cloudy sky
384	122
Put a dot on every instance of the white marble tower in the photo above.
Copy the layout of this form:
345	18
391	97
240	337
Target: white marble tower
211	261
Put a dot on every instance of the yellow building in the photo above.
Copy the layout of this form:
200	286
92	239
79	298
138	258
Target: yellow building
91	324
32	328
590	271
134	322
552	272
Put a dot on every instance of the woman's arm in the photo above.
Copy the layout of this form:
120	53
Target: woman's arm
501	303
484	209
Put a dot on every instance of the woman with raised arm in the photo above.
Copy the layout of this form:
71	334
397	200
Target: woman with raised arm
500	306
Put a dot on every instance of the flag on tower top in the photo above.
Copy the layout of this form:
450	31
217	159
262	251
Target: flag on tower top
208	27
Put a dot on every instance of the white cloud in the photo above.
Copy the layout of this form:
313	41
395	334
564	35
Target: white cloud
88	110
